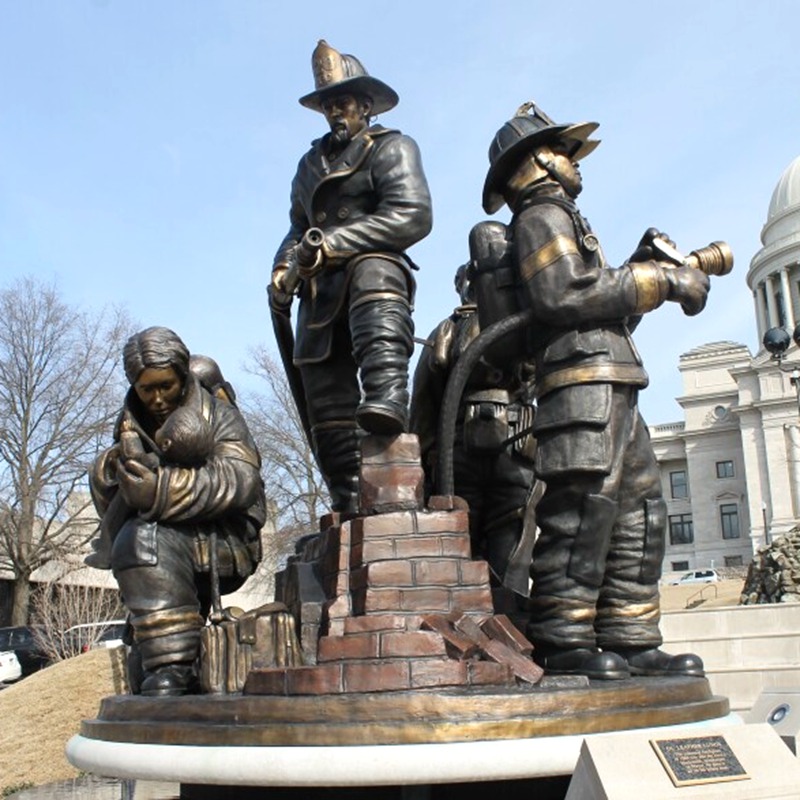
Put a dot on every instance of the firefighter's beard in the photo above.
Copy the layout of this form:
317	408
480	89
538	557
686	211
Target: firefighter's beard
340	135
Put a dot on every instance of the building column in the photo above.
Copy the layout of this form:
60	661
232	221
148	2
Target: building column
779	500
793	450
761	311
772	306
756	476
786	291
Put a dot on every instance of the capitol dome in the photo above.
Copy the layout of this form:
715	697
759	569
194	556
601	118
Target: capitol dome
787	191
774	274
783	217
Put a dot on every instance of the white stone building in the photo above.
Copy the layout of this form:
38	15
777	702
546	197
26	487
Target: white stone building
731	469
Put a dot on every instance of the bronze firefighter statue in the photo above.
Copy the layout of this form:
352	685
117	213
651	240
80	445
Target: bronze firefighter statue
493	446
181	496
358	201
602	518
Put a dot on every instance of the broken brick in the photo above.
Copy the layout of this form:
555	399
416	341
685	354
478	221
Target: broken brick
501	628
523	668
458	646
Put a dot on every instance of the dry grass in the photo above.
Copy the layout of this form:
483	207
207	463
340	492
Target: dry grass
712	595
42	712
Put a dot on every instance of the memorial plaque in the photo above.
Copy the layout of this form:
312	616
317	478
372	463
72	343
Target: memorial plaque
702	759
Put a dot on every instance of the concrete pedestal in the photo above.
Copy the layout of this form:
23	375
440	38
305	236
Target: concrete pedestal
347	766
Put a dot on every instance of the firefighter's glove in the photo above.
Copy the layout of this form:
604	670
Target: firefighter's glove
689	287
279	298
644	250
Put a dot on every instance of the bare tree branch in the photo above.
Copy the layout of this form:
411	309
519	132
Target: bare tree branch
59	392
293	482
58	607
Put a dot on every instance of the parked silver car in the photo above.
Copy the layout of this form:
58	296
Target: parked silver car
696	576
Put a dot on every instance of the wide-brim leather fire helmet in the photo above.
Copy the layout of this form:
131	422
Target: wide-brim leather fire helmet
337	73
529	128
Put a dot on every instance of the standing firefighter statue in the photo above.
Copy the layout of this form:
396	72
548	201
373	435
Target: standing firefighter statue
358	201
181	497
493	447
597	560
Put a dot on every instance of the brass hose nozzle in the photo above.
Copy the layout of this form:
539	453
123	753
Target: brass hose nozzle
714	259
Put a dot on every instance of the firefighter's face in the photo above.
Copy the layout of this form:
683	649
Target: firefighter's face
346	115
160	391
567	171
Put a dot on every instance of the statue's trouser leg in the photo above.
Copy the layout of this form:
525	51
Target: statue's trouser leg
161	597
583	517
337	444
628	609
497	488
382	332
507	498
332	396
469	479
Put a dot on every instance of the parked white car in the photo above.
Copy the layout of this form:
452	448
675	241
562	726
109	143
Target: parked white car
88	636
696	576
10	669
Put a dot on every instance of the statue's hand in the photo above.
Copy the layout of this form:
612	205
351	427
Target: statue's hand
279	296
107	466
689	287
644	250
138	484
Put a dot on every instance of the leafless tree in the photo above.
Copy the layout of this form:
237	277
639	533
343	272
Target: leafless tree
59	607
294	484
59	390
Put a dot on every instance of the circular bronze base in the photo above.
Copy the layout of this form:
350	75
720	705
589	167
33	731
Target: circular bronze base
554	708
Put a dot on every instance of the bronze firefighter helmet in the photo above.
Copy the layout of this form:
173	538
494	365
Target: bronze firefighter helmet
337	73
529	128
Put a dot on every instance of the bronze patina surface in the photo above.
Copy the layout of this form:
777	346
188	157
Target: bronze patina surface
359	200
182	503
594	604
407	717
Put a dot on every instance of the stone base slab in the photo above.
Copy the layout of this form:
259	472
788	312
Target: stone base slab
365	765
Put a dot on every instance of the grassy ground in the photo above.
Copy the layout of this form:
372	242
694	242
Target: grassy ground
39	714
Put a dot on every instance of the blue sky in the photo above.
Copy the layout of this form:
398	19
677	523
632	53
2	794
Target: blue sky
146	148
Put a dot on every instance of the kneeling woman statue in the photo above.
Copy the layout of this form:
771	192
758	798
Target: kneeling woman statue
168	516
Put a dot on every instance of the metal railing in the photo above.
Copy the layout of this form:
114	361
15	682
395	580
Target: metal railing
690	600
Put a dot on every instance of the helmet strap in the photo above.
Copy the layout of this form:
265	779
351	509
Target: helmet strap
527	174
552	170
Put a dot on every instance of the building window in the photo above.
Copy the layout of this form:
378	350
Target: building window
681	529
729	517
734	561
680	566
677	484
724	469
